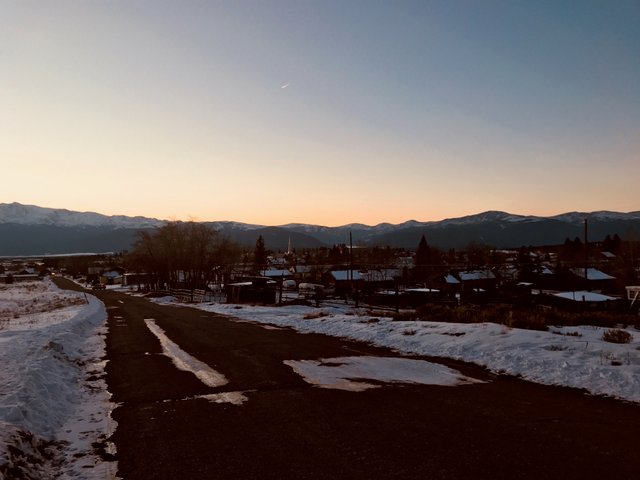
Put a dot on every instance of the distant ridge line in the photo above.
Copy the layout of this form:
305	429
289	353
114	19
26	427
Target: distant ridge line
33	230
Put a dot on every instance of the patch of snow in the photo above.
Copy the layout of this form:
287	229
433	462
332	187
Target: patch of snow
234	398
348	373
183	361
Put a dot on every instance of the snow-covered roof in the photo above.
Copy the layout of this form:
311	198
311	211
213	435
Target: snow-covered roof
592	274
609	254
584	296
422	290
344	275
381	275
111	274
476	275
301	269
451	280
276	272
277	261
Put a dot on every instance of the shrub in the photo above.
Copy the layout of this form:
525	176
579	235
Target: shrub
371	320
573	334
616	335
531	320
556	348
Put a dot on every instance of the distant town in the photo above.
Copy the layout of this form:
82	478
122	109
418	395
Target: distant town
535	286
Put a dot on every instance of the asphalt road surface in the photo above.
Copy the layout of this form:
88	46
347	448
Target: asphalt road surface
504	428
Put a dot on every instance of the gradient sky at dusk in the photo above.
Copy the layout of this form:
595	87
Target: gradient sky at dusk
325	112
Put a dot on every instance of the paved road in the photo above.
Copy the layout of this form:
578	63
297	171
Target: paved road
502	429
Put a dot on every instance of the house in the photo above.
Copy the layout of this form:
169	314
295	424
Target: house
419	296
633	295
593	280
111	277
302	272
383	278
131	279
473	280
344	280
583	299
278	274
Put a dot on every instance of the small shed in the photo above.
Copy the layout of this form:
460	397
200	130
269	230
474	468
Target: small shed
259	290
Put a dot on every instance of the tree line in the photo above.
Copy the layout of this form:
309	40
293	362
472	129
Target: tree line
183	254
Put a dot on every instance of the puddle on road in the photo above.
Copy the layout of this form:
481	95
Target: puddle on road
350	373
183	361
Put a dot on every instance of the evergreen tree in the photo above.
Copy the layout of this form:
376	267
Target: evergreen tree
260	255
422	260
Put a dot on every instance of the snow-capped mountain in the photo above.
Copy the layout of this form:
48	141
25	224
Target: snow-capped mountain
33	215
579	217
489	216
28	229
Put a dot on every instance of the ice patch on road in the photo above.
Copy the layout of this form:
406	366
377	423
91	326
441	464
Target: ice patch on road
342	372
183	361
234	398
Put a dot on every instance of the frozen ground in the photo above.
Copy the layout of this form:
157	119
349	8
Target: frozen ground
54	405
569	356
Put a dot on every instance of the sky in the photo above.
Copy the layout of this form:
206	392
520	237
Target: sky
325	112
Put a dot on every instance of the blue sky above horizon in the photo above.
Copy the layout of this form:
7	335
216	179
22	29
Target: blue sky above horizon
325	112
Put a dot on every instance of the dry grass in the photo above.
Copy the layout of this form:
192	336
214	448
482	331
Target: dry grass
314	315
21	300
615	335
532	318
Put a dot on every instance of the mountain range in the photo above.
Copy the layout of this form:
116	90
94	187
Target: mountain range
33	230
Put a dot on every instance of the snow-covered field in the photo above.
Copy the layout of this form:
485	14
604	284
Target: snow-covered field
54	404
569	356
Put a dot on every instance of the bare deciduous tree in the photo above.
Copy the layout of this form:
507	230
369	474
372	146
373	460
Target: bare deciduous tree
184	254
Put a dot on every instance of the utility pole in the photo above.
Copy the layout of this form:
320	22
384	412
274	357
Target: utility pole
586	253
351	283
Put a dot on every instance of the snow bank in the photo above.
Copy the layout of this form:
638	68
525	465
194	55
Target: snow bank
569	356
53	400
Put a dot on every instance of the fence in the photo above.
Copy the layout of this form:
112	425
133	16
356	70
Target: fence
186	295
